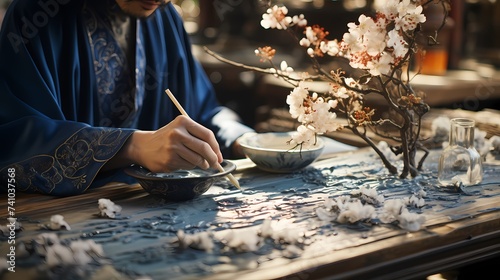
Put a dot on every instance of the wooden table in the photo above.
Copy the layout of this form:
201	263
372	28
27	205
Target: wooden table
460	227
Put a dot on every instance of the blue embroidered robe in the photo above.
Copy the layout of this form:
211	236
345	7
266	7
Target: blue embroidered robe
53	130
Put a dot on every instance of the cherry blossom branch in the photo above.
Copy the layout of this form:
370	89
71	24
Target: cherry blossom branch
381	47
391	168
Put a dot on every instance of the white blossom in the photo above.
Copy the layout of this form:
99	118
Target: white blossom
481	144
304	42
330	47
340	92
79	252
310	52
394	207
395	210
295	100
57	222
495	143
83	250
299	20
303	136
398	43
275	17
59	254
244	240
266	229
282	235
200	241
380	66
108	209
389	9
410	221
355	211
310	35
368	195
326	215
409	16
365	43
285	68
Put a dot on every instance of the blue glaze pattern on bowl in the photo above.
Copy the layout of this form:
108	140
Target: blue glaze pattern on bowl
179	185
271	152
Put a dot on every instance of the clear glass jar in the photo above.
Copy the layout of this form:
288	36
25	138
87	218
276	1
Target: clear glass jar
460	162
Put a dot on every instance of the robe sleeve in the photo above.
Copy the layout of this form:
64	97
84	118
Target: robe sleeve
42	92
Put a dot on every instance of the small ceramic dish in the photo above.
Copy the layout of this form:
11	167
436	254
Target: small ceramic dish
272	152
180	185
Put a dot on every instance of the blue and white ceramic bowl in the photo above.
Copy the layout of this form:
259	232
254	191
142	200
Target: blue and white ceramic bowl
180	185
271	151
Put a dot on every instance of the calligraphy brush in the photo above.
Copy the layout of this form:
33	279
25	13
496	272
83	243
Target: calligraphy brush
183	112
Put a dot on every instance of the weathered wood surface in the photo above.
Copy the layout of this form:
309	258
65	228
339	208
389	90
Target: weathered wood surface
460	226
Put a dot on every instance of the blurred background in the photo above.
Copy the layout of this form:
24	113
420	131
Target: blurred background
461	72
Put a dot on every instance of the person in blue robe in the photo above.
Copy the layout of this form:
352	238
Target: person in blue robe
82	95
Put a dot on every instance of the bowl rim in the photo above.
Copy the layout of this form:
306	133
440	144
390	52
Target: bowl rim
243	143
133	171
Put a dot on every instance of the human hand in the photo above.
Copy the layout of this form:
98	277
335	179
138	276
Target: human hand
181	144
